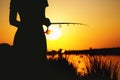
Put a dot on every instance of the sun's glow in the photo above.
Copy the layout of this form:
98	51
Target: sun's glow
53	33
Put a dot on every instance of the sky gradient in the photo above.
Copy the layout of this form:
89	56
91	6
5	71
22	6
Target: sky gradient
101	16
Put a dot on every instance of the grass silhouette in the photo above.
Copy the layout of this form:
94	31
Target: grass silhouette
100	70
62	70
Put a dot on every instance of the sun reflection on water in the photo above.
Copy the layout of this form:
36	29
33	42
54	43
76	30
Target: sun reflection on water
77	61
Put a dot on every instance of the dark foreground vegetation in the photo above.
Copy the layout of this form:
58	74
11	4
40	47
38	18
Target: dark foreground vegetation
14	68
59	69
100	69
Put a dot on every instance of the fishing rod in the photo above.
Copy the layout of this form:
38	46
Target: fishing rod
60	23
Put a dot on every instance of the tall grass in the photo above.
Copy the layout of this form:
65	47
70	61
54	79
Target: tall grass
99	69
62	70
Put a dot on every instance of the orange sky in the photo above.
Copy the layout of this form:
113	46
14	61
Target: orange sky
102	16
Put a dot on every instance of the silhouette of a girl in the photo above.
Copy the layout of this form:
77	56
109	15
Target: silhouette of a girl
29	39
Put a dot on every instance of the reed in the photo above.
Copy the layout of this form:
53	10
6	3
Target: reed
100	69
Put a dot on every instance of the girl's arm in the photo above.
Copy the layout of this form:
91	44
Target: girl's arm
13	18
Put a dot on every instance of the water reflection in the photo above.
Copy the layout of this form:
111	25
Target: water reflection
77	61
80	61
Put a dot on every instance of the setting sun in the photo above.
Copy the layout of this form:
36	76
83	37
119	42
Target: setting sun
53	33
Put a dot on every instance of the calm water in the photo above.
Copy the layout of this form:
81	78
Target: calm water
78	61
